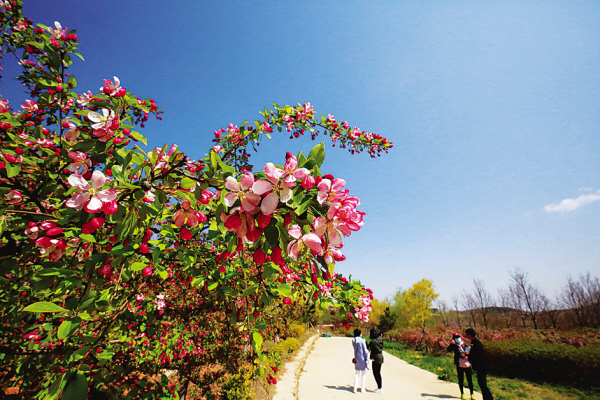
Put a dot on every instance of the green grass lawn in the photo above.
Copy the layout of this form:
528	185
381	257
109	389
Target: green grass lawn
501	388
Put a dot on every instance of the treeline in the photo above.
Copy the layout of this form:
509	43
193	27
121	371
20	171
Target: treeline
521	304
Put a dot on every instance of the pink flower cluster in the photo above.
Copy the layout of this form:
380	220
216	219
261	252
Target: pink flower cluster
362	311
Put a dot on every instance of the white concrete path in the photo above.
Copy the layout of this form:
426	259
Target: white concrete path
323	370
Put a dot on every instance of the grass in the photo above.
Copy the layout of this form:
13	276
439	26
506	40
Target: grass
502	388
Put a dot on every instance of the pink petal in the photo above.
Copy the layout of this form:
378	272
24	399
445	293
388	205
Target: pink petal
312	241
261	187
292	250
246	181
78	181
269	204
321	197
338	184
286	194
295	231
272	172
232	184
230	199
291	164
250	201
94	205
98	179
334	238
325	185
179	218
78	200
320	226
94	117
301	173
107	195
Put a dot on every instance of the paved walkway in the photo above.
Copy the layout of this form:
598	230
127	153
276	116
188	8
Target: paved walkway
323	369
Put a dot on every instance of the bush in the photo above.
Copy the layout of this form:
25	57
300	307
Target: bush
545	362
237	387
296	329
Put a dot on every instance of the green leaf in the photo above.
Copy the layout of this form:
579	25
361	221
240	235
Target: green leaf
188	183
76	389
272	235
318	154
138	266
285	290
86	237
163	274
213	286
257	342
44	307
117	172
67	328
12	170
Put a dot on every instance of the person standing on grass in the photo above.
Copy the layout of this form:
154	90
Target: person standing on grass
463	366
361	360
479	361
376	349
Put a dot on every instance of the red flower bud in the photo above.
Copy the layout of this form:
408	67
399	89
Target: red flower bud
263	220
54	231
259	256
146	272
308	182
110	207
185	233
59	88
144	249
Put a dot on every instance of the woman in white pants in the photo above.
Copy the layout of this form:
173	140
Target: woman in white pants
361	360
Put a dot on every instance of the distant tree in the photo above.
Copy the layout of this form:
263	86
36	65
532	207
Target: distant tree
529	297
583	299
387	321
483	300
551	311
378	309
417	303
455	305
444	312
397	309
470	306
505	305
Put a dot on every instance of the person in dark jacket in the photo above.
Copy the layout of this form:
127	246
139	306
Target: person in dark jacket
376	349
479	361
463	366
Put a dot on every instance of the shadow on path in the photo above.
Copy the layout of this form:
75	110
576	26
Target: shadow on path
346	388
438	396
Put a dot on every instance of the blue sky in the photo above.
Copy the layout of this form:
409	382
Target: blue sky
493	109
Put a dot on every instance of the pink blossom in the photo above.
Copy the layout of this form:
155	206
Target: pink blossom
217	148
186	214
54	248
80	160
160	301
292	173
58	31
85	98
332	254
149	197
163	162
13	197
29	106
310	240
242	223
110	88
249	201
90	198
45	143
3	106
104	120
331	190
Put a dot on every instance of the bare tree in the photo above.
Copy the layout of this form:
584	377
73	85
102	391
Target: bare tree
444	312
483	300
455	303
583	298
530	298
505	305
573	297
470	305
551	311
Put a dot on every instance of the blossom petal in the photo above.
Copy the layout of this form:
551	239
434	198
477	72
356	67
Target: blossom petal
250	201
261	187
94	205
295	231
98	179
312	241
78	200
247	181
273	173
232	184
107	195
269	203
78	181
301	173
230	199
286	194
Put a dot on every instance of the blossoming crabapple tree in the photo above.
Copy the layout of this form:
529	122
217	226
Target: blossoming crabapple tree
118	264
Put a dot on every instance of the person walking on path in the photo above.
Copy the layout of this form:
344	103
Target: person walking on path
463	366
479	361
361	360
376	349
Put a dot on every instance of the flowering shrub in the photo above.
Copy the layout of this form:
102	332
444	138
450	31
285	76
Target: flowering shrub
119	264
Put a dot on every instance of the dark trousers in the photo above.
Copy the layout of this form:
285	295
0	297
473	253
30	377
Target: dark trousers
377	373
461	378
482	381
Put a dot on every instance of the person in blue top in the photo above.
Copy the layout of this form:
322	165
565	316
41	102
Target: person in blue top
361	360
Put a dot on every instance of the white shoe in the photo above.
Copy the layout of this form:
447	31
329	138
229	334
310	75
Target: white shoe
379	391
354	391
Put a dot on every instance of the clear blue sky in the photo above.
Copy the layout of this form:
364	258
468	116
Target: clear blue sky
493	108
